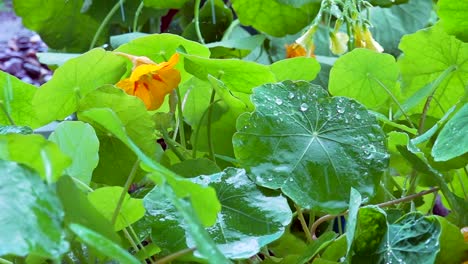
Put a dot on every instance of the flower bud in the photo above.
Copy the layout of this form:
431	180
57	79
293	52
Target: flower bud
338	43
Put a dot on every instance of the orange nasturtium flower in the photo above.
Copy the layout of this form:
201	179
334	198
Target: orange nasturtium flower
303	46
151	81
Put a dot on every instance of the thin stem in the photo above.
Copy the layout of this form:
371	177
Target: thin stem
197	131
130	240
104	22
172	146
137	15
208	128
82	184
395	101
129	181
381	205
138	240
2	106
311	218
422	120
181	118
229	30
304	226
4	261
175	255
196	12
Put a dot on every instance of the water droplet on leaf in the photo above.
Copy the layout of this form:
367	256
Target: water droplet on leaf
304	107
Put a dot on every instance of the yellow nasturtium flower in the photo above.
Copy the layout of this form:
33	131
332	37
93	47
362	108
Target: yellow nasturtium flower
363	39
338	43
151	81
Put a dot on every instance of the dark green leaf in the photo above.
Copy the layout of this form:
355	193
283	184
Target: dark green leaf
313	147
371	229
4	130
79	141
195	167
31	215
176	4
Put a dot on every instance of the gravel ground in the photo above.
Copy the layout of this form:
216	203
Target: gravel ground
18	48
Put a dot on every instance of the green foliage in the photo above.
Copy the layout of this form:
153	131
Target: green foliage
452	17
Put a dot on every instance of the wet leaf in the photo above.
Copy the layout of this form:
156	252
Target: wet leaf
249	218
31	215
312	147
78	141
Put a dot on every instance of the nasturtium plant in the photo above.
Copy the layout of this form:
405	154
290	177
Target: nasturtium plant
311	146
269	131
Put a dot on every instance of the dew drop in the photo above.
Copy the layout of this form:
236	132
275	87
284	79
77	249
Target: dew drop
340	110
270	179
291	95
304	107
278	101
357	116
291	179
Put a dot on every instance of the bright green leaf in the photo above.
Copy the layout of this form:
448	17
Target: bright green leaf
79	141
427	54
235	47
175	4
453	248
451	141
102	244
106	199
118	40
60	96
312	147
299	68
452	16
115	158
15	99
274	17
36	152
366	76
31	214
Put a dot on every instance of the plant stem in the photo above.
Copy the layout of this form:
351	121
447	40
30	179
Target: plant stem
175	255
381	205
4	261
304	226
172	145
395	101
208	128
196	12
129	181
422	120
311	218
105	21
2	106
130	240
137	15
197	131
181	118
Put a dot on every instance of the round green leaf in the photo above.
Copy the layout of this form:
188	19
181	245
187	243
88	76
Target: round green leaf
428	54
452	15
79	141
105	200
455	130
274	17
31	214
312	147
15	98
102	244
366	76
299	68
36	152
249	218
59	97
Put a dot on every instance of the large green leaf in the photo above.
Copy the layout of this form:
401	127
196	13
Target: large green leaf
453	248
31	214
299	68
79	210
115	159
182	193
61	24
455	130
274	17
59	97
366	76
429	53
390	24
15	99
102	244
452	16
313	147
79	141
106	199
411	239
249	218
36	152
